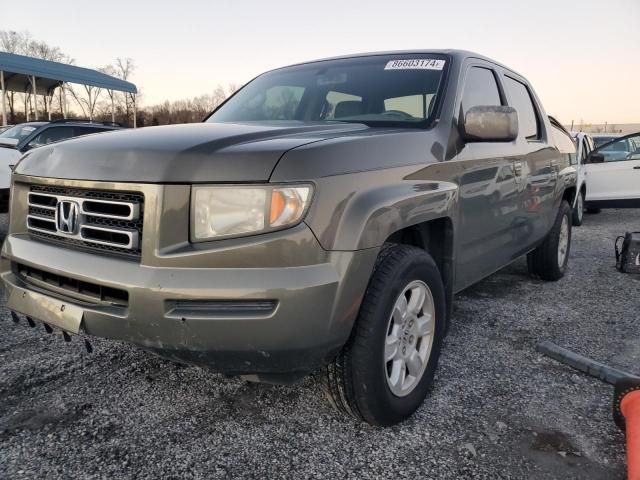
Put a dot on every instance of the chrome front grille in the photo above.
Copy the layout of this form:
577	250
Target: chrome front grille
101	220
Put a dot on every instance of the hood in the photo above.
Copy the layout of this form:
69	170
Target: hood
193	153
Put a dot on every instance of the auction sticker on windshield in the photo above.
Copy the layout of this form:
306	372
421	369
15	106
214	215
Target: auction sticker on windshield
415	64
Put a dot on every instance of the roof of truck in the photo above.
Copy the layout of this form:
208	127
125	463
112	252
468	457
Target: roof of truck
455	53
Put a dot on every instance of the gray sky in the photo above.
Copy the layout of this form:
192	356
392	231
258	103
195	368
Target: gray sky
583	57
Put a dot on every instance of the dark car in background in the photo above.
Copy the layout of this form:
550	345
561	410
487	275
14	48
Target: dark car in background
16	140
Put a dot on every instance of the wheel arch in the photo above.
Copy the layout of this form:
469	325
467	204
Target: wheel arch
570	195
434	236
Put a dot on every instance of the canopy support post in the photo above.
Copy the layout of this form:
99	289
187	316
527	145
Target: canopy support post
49	102
113	108
90	105
27	103
35	96
134	111
63	105
4	94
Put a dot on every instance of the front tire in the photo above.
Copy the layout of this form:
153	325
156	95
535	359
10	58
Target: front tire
578	212
386	369
549	260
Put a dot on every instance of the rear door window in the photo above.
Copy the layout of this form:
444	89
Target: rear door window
338	104
418	106
520	99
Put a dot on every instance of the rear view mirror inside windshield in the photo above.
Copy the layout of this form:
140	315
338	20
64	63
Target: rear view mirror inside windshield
332	78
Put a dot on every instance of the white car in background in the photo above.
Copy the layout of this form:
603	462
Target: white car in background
584	145
613	170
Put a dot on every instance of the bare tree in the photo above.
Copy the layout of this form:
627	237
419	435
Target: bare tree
90	101
124	68
187	110
14	42
87	102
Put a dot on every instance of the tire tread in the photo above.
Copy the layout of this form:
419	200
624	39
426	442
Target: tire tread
341	373
543	261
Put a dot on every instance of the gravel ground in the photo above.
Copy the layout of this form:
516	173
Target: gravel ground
498	409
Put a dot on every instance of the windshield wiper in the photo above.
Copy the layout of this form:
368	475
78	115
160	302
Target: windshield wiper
384	123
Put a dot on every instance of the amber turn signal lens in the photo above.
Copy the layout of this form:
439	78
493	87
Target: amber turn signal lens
287	205
278	204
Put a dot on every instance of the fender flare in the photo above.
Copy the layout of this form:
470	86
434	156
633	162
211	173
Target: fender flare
373	215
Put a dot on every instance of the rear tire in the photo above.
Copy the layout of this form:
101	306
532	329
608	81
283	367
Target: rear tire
578	212
549	260
370	379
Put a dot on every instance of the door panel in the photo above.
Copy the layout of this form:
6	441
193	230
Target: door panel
540	191
540	161
491	197
614	180
618	178
491	190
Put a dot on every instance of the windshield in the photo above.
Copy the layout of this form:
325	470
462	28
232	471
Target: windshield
376	90
18	132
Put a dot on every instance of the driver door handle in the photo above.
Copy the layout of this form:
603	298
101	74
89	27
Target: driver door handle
636	168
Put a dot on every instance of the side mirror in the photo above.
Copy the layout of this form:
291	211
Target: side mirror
595	158
491	123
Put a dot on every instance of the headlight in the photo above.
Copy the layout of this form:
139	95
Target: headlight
237	210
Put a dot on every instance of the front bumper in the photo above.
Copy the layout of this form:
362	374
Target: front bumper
177	312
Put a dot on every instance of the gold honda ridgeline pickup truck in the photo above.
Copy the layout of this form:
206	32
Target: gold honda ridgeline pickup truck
323	216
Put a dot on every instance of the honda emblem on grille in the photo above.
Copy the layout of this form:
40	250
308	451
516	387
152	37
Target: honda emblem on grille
67	217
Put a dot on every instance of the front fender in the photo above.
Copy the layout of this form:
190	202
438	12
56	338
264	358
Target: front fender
359	211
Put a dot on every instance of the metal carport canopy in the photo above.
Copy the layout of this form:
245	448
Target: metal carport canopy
21	74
